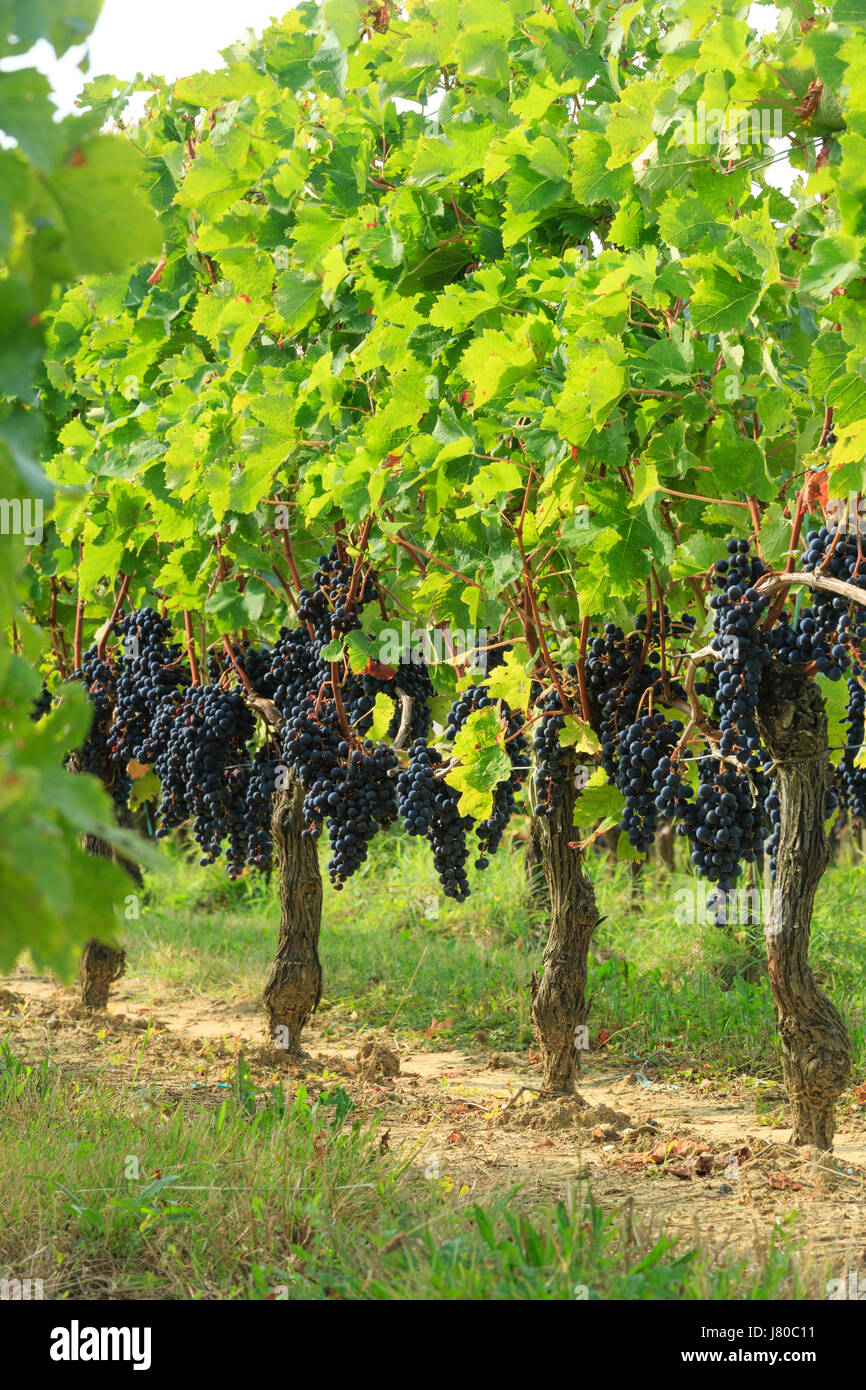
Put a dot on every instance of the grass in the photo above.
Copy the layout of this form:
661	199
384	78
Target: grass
457	975
275	1197
111	1193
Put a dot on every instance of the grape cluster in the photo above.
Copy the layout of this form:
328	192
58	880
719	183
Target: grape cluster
263	782
256	664
351	788
549	757
741	650
326	606
364	802
414	679
829	631
617	678
295	671
850	779
42	704
428	806
149	670
647	777
202	762
728	822
315	748
99	677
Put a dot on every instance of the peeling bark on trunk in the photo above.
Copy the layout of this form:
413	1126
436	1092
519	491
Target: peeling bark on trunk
559	1002
665	847
816	1053
533	865
635	869
293	987
102	964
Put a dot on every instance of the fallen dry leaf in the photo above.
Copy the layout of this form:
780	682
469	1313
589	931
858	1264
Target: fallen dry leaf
785	1183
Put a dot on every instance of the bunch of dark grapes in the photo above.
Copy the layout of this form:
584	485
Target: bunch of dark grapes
202	745
728	822
149	670
610	666
316	749
549	757
171	741
619	671
295	671
237	781
428	806
256	664
647	777
326	606
265	778
829	631
353	790
742	652
851	780
413	678
42	704
365	801
99	678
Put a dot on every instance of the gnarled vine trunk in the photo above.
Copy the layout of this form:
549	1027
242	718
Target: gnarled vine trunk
533	865
101	963
100	966
294	984
560	1007
816	1053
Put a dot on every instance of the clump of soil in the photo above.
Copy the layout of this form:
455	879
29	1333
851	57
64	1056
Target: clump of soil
375	1059
503	1061
562	1112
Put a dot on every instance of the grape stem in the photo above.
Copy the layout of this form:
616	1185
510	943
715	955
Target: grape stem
774	583
190	646
79	614
356	571
581	670
242	675
406	703
697	719
124	590
338	702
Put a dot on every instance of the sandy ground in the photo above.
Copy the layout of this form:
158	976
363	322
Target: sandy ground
702	1161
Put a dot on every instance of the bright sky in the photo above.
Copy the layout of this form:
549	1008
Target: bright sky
170	37
173	38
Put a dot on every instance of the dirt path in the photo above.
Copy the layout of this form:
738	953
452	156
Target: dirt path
709	1161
